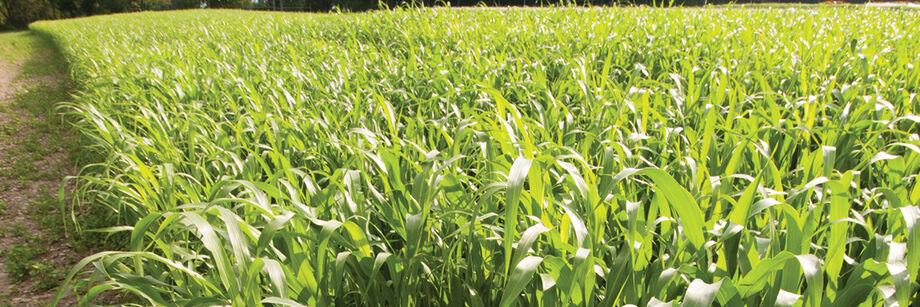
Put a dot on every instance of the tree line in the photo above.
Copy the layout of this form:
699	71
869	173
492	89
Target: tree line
19	13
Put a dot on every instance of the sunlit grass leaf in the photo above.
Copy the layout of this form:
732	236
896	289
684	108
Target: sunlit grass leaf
520	277
700	294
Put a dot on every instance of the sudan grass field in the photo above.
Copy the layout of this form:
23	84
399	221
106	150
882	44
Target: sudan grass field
483	157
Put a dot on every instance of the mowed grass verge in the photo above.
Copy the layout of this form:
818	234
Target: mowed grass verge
482	157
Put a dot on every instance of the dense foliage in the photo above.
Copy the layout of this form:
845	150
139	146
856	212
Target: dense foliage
19	13
503	156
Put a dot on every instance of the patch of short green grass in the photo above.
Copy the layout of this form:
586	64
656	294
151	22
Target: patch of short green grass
17	46
20	262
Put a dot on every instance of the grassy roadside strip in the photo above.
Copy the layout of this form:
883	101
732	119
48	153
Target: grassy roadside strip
37	151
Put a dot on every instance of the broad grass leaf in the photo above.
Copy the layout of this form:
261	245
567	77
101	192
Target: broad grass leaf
520	277
516	178
682	202
786	299
700	294
282	301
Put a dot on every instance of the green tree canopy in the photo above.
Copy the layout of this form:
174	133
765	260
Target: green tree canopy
19	13
227	3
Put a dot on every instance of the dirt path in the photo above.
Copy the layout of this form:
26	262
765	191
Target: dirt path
35	251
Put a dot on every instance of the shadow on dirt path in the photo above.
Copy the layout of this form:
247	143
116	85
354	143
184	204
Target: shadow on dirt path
35	248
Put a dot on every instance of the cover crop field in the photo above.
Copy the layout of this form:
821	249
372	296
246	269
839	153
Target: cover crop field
484	157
